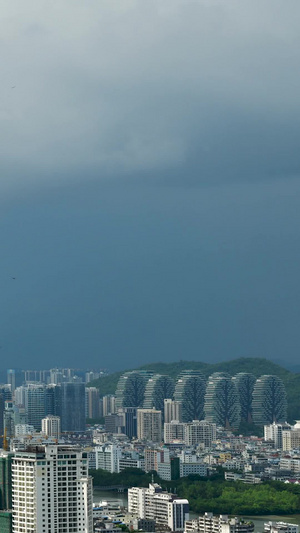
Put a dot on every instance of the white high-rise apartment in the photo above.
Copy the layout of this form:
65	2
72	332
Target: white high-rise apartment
51	490
149	425
51	426
274	433
154	504
109	405
107	457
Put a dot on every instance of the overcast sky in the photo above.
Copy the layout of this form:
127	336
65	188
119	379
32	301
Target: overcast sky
149	181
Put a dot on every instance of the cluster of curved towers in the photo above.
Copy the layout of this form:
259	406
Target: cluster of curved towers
224	400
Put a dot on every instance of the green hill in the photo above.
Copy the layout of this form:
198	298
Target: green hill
258	367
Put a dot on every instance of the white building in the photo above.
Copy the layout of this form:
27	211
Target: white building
51	426
208	523
109	405
200	432
51	490
107	457
24	429
291	439
92	402
290	463
274	433
153	504
190	463
280	527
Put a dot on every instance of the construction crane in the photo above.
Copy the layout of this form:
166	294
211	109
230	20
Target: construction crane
5	440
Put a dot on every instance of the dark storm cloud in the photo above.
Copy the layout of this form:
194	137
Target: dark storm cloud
149	183
117	87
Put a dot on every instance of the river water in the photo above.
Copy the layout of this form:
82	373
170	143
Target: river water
121	497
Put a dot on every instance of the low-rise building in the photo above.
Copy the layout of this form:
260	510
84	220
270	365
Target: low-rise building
208	523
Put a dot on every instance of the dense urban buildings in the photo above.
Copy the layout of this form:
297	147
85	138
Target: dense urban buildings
131	437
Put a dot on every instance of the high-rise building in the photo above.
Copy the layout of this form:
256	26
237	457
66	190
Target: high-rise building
11	379
200	432
51	426
222	406
128	415
291	437
5	492
107	457
53	401
245	384
269	400
12	416
92	402
56	376
158	388
51	490
149	425
109	404
174	431
190	391
35	404
73	407
20	396
5	480
172	410
131	388
91	376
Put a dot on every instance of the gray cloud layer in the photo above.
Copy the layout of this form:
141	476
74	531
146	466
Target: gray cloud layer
114	87
149	180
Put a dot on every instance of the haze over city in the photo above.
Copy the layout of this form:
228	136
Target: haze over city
149	182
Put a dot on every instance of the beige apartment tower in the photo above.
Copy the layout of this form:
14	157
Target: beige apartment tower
149	425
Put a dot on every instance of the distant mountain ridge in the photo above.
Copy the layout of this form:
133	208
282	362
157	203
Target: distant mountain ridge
255	365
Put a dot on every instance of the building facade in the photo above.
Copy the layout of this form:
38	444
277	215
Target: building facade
51	491
149	425
154	504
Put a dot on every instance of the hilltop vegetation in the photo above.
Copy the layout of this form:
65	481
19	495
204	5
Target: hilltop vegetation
257	366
